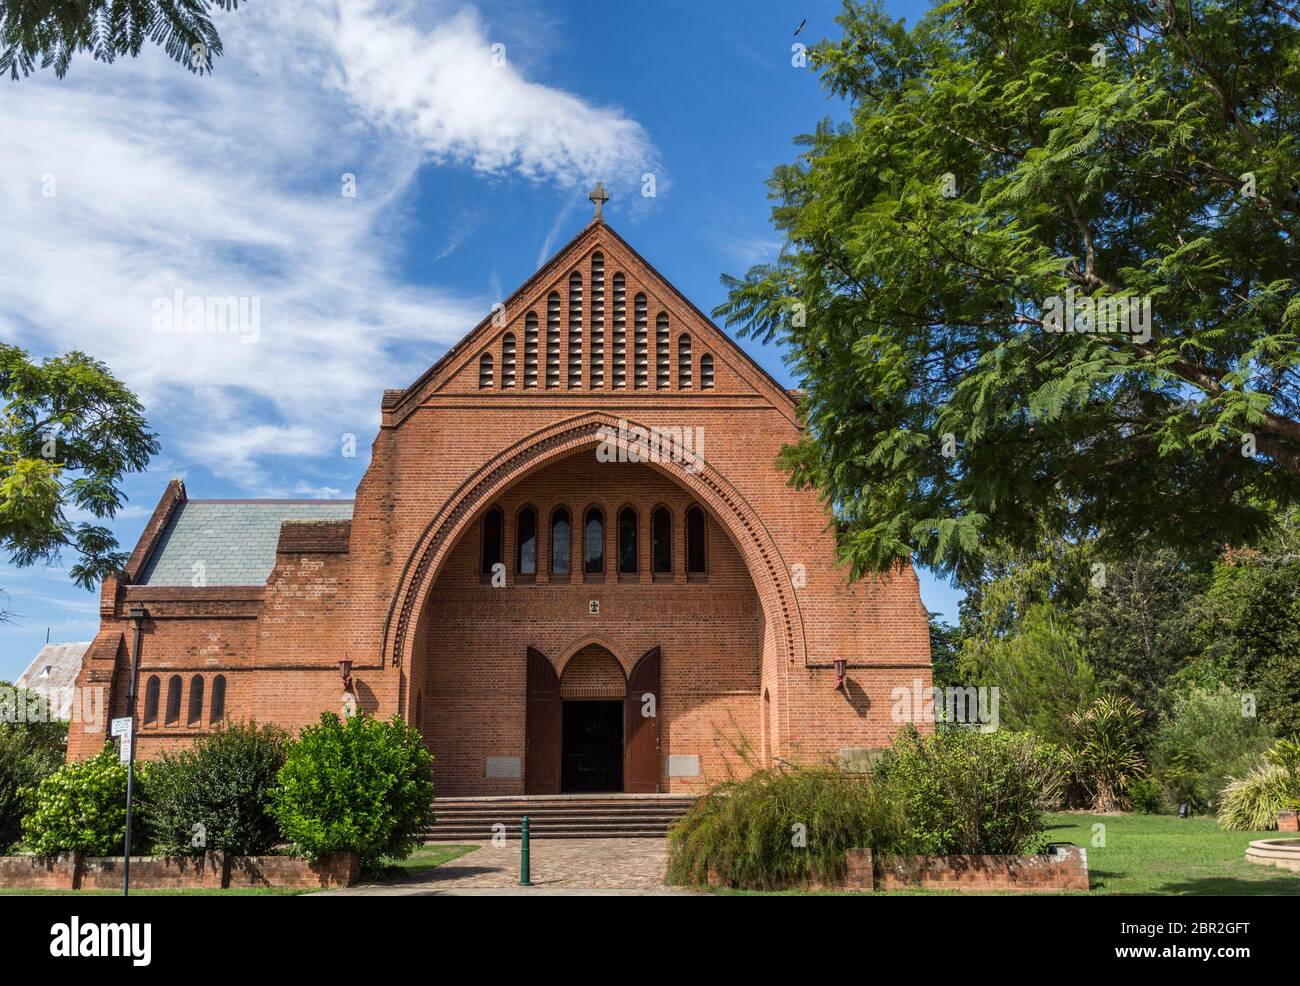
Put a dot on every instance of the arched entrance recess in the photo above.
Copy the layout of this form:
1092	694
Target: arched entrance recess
767	569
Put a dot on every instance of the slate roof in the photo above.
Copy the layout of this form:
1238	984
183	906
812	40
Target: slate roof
63	661
235	539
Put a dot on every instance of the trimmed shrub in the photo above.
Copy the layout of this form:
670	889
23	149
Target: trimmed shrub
81	807
1204	741
356	785
780	827
30	750
1252	803
1103	755
215	795
964	791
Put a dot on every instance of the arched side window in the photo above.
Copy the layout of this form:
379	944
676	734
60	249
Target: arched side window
696	560
174	688
508	360
485	371
683	362
530	349
641	342
526	542
575	329
217	710
620	331
596	347
593	542
152	689
663	363
661	541
560	541
553	340
493	538
196	701
627	546
706	372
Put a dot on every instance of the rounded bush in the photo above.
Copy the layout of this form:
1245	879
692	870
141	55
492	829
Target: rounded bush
215	795
81	807
356	785
965	791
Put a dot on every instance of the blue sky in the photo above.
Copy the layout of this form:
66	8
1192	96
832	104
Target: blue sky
468	174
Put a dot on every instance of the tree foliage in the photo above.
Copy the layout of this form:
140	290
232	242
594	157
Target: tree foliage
32	746
69	432
44	33
999	155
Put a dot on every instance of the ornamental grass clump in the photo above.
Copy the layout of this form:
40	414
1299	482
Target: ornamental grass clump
781	826
1251	804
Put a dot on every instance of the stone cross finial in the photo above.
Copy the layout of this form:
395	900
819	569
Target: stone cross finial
599	197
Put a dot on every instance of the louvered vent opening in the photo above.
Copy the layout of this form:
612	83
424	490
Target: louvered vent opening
683	363
530	350
485	371
508	360
620	331
663	364
641	342
706	372
575	329
597	345
553	340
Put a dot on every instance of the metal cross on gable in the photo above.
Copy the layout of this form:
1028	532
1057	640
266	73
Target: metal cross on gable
599	197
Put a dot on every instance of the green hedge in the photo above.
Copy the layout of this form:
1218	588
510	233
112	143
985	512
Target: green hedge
215	795
82	808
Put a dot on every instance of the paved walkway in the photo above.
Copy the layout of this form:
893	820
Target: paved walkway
560	867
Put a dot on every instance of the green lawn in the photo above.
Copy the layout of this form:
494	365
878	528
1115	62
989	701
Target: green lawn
426	857
1162	854
1151	854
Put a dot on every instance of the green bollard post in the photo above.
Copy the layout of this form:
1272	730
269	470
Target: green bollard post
524	867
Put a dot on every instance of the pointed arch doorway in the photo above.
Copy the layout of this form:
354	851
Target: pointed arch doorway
591	729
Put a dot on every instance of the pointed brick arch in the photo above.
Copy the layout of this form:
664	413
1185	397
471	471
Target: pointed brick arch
767	569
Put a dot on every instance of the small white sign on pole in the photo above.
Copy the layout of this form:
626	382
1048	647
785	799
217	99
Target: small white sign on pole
124	751
121	727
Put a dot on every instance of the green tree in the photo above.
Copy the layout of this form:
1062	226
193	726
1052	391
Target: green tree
1001	157
32	746
1251	627
1040	671
49	32
69	432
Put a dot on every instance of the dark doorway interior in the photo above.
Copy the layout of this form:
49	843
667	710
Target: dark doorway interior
592	745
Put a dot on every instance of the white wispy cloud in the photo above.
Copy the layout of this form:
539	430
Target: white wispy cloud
230	186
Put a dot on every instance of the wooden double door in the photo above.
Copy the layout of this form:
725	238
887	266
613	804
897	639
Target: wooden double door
575	745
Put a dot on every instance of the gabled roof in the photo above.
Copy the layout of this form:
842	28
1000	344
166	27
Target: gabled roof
551	275
234	539
55	666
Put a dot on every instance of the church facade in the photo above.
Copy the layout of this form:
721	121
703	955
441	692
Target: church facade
572	564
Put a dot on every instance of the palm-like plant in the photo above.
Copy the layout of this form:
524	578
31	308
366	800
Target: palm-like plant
41	33
1104	755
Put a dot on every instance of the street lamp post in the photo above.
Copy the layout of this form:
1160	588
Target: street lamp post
138	615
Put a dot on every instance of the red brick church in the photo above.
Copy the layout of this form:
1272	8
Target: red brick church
572	564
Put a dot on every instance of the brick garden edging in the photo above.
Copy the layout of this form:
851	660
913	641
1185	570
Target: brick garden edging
1062	868
73	871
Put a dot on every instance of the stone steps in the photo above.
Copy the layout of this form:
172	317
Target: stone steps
557	817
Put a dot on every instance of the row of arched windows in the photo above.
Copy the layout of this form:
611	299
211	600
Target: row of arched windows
569	351
194	710
627	536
